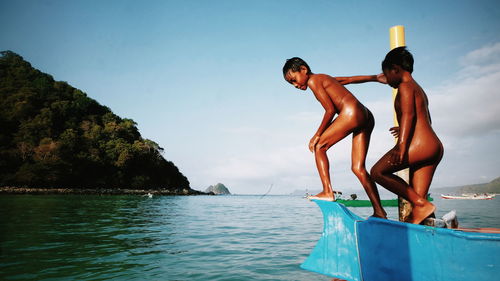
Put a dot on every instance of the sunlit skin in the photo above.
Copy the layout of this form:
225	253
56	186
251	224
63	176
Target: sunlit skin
352	118
418	147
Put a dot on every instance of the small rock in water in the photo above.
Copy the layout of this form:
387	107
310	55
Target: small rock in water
218	189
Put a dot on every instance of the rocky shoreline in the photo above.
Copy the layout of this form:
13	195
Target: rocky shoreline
99	191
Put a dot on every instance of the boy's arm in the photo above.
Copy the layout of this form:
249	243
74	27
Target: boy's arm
407	101
362	79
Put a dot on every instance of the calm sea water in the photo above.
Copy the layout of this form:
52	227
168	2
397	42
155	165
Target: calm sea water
71	237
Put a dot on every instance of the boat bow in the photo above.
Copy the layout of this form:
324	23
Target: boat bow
355	249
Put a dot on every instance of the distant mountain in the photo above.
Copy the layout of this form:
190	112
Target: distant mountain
218	189
53	135
490	187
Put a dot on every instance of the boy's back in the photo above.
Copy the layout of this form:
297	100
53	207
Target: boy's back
323	84
421	103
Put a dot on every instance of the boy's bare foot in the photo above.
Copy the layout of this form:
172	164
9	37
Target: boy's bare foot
420	213
323	196
380	215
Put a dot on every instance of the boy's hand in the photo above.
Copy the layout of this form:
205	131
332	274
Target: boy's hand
381	78
398	155
313	142
395	131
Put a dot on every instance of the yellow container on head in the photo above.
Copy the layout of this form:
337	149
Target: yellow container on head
397	36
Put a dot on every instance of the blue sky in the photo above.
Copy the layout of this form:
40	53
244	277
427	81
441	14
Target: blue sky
203	78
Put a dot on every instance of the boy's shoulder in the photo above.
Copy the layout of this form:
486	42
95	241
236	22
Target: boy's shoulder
407	88
321	76
407	85
315	81
315	78
319	82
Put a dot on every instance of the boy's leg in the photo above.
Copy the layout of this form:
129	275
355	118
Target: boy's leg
422	172
422	178
339	129
382	173
360	144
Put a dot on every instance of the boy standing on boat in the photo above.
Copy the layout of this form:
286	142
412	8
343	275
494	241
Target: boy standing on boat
418	147
352	118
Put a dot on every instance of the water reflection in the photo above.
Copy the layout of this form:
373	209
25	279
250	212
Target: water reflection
83	236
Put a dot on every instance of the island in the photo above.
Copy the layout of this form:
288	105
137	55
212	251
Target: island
56	139
218	189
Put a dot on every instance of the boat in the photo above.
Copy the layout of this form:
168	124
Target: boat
469	196
368	203
373	249
354	202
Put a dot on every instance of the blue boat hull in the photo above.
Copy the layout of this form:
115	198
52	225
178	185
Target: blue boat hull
375	249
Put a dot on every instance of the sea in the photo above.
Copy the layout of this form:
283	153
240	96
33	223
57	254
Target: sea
237	237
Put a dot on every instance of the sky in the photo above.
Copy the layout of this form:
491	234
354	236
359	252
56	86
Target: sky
204	79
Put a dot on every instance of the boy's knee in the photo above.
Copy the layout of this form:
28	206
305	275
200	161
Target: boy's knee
375	172
322	146
359	171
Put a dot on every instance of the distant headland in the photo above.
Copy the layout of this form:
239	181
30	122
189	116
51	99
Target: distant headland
492	187
53	135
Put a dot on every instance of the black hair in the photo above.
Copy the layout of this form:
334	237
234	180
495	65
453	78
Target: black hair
398	56
294	65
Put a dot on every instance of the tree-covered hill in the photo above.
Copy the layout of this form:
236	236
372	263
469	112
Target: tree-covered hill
490	187
53	135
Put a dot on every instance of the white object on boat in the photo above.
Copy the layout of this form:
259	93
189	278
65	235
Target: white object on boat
449	220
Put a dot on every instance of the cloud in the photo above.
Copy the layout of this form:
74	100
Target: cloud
284	161
287	163
483	55
470	104
465	112
258	169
